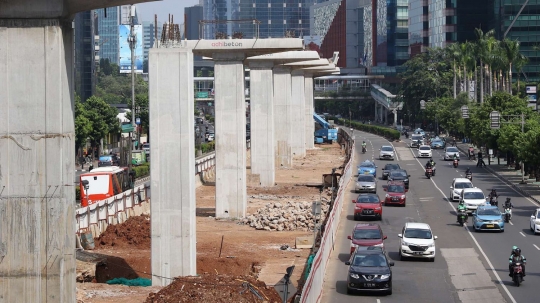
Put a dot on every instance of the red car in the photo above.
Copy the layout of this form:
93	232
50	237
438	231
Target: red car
395	193
366	235
367	205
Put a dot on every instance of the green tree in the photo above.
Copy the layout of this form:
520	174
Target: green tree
83	126
102	118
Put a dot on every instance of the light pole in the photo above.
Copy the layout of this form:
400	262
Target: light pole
132	39
86	187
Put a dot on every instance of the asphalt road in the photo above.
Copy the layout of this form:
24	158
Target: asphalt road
478	262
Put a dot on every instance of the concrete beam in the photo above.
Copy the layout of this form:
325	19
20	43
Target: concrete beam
172	171
32	9
249	47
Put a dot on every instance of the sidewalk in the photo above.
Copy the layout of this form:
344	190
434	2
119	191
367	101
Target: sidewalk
509	175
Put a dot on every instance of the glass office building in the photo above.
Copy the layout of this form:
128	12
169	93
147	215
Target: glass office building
526	30
85	59
278	18
108	33
398	40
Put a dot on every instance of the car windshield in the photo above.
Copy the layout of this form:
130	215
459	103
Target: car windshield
364	234
451	150
369	261
489	212
387	148
473	195
417	137
391	166
424	148
396	189
105	158
436	141
367	199
417	233
462	185
367	164
364	178
398	174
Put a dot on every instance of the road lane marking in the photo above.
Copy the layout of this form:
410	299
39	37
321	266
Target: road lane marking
522	234
477	244
536	246
511	223
378	301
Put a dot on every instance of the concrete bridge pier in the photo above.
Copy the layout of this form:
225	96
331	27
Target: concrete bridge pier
298	103
230	105
309	108
283	115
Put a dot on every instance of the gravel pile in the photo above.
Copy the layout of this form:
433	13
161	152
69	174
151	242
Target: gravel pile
278	216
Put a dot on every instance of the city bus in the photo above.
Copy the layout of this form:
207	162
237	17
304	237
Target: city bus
103	183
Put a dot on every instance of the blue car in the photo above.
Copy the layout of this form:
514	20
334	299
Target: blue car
488	217
367	168
437	143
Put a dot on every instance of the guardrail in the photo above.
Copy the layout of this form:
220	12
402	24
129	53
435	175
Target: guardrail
312	290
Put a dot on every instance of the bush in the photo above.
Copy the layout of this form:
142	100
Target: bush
390	134
208	147
77	192
142	170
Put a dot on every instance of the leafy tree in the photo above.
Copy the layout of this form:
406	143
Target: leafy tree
102	118
83	126
141	101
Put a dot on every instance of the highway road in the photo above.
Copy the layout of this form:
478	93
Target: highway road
469	267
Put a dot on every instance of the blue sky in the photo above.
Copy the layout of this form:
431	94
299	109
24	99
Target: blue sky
163	8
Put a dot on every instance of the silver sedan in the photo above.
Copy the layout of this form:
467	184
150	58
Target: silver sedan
366	184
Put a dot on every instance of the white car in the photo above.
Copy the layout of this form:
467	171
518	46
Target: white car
417	241
386	152
535	221
450	152
424	151
146	148
458	184
473	197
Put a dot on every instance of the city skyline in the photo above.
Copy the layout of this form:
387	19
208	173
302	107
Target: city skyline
147	11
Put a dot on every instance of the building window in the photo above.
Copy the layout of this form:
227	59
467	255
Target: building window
269	21
299	21
269	5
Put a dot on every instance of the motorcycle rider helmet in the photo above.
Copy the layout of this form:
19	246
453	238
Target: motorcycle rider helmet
508	199
517	251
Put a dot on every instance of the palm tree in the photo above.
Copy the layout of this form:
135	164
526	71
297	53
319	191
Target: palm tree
455	54
518	65
512	54
482	55
491	59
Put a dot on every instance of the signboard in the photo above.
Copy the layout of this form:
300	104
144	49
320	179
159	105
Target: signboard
138	121
202	95
491	151
127	128
531	98
125	51
530	89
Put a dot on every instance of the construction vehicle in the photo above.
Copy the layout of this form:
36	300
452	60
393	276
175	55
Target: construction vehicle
324	132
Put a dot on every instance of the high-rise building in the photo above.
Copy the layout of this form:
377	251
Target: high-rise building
149	36
108	20
192	16
85	40
277	18
526	30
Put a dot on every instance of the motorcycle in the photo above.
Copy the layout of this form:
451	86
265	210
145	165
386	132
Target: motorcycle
363	150
493	201
469	176
517	275
507	214
429	173
462	217
456	163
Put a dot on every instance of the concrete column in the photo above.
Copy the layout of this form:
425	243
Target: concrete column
298	104
262	130
282	116
230	106
173	164
309	110
376	111
395	117
385	115
37	153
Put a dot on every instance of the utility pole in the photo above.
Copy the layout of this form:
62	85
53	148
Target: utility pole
132	44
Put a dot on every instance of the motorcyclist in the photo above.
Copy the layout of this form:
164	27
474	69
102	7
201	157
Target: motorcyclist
364	146
461	207
492	194
508	203
431	164
456	157
515	257
471	152
468	171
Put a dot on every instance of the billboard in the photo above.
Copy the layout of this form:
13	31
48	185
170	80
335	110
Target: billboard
530	89
125	51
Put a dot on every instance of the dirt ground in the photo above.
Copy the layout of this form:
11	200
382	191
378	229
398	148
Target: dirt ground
247	255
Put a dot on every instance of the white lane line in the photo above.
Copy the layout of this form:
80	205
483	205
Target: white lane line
536	246
395	151
378	301
511	223
522	234
477	244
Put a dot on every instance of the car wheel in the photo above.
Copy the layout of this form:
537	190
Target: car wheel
355	218
404	204
432	259
502	230
530	226
389	292
349	291
402	257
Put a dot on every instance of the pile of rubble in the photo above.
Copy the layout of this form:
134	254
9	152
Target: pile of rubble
286	216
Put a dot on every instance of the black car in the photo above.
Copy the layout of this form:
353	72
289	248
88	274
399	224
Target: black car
369	270
399	175
387	168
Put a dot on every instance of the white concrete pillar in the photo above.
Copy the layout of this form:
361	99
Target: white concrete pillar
262	130
385	115
230	106
309	110
282	116
173	164
376	111
298	104
37	153
395	117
